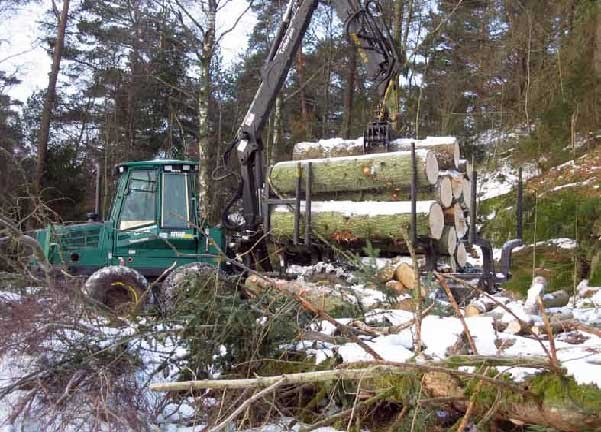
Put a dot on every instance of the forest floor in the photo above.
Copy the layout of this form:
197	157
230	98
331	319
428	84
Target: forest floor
160	354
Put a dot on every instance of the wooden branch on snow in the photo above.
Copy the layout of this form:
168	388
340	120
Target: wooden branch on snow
364	370
266	282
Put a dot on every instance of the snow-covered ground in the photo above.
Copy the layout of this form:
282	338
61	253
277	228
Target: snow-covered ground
161	351
502	180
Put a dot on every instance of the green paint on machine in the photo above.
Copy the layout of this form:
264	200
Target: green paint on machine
153	223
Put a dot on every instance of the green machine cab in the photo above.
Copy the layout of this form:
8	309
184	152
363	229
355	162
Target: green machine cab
153	222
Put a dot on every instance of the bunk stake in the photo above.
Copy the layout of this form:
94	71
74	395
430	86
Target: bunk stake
299	174
473	210
520	206
308	180
265	205
413	196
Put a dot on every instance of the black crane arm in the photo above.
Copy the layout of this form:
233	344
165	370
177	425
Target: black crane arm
368	32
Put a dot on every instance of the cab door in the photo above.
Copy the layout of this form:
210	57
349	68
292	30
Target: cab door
136	225
178	226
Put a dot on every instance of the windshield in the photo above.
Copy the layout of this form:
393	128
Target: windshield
176	209
139	206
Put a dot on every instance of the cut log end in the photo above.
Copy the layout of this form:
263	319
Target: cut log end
461	255
456	154
445	191
467	193
431	167
405	275
448	241
436	221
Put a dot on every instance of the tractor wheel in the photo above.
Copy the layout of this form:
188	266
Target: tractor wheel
121	289
173	288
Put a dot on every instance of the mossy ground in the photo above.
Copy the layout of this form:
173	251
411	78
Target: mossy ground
555	264
573	212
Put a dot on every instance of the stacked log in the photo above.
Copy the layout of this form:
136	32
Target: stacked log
357	222
358	197
371	172
447	149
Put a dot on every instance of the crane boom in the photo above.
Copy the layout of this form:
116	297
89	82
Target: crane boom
367	31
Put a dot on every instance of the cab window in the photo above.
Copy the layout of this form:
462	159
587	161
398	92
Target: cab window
139	205
175	212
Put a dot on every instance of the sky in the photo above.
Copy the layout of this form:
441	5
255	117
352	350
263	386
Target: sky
21	51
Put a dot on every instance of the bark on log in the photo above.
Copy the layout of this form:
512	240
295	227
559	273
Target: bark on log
446	149
349	221
327	148
448	241
428	193
454	216
478	307
556	299
533	411
356	173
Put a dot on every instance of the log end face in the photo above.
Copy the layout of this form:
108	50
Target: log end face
452	240
461	255
431	167
446	192
436	221
456	155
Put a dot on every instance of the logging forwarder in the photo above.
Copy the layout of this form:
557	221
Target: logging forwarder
154	223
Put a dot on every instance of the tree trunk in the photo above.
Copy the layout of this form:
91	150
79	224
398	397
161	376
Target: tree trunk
597	48
204	97
300	72
277	146
349	222
46	116
368	172
349	92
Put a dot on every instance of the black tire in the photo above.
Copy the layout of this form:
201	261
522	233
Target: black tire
121	289
172	288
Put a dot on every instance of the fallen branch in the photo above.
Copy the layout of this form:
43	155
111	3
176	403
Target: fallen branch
498	303
385	331
245	405
310	307
453	302
364	370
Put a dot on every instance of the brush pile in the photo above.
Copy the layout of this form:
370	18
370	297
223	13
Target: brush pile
357	197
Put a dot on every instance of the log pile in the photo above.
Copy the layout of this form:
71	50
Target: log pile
357	197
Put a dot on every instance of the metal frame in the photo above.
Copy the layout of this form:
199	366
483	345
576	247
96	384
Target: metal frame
488	278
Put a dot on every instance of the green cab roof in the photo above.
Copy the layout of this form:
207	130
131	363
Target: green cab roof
155	163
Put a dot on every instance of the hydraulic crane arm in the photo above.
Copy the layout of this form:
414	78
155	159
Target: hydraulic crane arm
368	32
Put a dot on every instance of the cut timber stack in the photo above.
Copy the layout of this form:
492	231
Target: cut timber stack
358	197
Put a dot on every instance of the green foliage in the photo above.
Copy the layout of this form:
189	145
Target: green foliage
563	213
555	264
232	334
564	391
